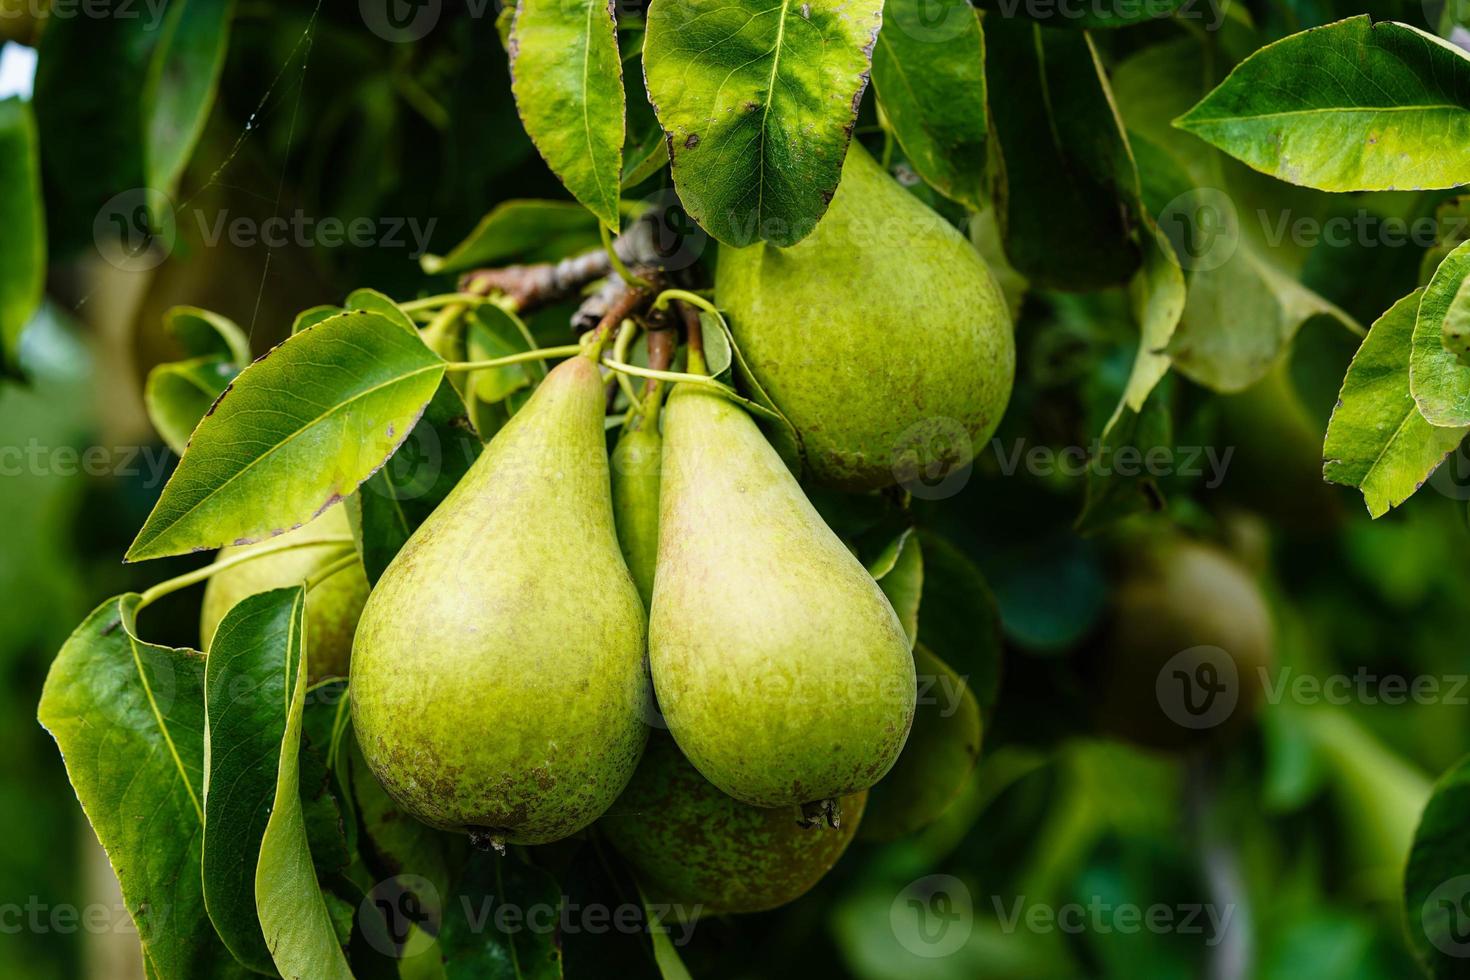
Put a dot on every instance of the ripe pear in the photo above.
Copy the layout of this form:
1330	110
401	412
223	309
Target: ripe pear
635	486
882	336
937	760
333	605
692	846
1188	639
498	678
781	669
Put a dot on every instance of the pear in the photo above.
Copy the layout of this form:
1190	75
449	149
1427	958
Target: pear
882	336
498	678
693	847
941	752
1188	639
332	606
635	486
781	669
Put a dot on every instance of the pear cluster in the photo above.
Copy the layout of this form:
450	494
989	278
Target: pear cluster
508	666
500	669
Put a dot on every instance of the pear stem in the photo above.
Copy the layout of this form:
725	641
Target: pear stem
620	352
327	571
622	270
169	586
695	380
540	354
686	296
694	332
443	299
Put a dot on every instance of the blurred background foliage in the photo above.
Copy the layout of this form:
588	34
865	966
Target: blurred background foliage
1298	825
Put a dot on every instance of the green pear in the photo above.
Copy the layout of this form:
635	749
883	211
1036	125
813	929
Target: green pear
882	336
937	760
1188	640
635	486
332	606
692	846
498	679
780	667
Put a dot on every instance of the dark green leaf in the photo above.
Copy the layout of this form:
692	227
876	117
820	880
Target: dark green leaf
959	619
503	922
298	430
1437	880
183	77
1351	106
1065	155
179	393
532	231
128	717
1114	492
203	334
929	73
247	685
758	98
294	914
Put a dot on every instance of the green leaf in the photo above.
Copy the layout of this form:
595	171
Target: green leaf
1157	297
1111	494
246	690
1064	153
929	73
311	317
298	430
1452	227
399	497
1089	16
1353	106
758	98
904	584
178	394
1439	382
783	435
93	133
492	332
23	273
961	621
884	561
128	717
646	152
375	302
183	77
478	940
1437	879
1376	440
531	231
1245	301
298	926
202	334
1456	327
567	78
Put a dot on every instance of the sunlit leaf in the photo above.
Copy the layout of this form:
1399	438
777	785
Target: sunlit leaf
758	98
297	431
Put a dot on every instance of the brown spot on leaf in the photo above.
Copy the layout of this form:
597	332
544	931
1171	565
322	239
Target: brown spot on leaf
691	141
